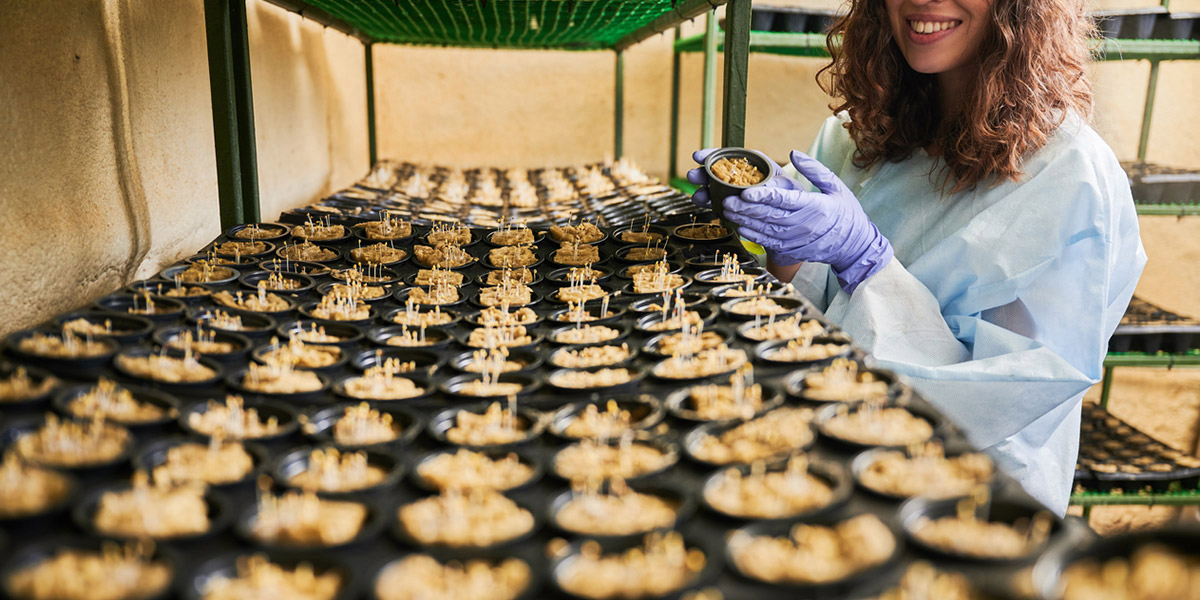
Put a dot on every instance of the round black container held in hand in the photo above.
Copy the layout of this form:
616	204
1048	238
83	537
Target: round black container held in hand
719	189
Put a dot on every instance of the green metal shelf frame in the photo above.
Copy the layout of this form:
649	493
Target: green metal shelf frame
1169	498
233	102
814	45
1174	497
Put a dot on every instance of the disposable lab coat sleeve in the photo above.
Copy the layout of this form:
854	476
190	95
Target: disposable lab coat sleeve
999	306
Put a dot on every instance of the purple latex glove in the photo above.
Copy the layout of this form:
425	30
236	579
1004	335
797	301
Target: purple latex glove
827	226
700	178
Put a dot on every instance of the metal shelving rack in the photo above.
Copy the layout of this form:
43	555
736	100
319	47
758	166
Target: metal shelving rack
613	25
813	45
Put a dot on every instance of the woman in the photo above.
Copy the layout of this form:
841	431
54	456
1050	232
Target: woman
967	228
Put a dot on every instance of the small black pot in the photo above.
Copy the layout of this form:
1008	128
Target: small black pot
360	231
236	381
846	587
676	267
84	513
373	525
159	288
453	386
423	383
226	567
528	458
260	353
622	334
350	335
997	510
74	368
683	234
791	307
278	314
127	328
304	282
644	305
645	412
255	326
268	249
165	309
298	236
668	448
315	271
716	428
307	308
287	417
772	289
401	297
275	232
35	404
708	314
685	507
402	535
374	274
482	280
191	387
45	549
529	361
319	426
424	360
387	290
829	412
561	562
562	276
558	354
154	454
538	237
221	274
168	403
297	461
709	277
241	343
473	319
794	384
442	422
834	475
17	428
636	377
436	337
677	404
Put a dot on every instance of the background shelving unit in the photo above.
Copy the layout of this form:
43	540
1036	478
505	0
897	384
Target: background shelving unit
612	25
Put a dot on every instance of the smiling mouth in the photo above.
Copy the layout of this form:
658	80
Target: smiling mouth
926	27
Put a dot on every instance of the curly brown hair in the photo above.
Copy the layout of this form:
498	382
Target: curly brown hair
1031	73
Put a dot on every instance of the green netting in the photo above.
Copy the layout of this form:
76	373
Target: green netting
567	24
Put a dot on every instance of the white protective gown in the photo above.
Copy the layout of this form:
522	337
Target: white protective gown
1000	301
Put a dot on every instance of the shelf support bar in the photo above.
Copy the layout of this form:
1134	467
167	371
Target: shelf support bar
619	108
1106	386
1147	112
673	160
737	67
709	99
372	144
233	110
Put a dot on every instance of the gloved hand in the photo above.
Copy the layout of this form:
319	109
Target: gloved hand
827	226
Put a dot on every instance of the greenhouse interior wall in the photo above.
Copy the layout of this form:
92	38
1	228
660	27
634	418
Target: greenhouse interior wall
107	170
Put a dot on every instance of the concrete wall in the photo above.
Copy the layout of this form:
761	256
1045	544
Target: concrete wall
107	168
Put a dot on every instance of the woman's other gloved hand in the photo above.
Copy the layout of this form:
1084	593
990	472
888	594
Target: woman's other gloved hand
794	225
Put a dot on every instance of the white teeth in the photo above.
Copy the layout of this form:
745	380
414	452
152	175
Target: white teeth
931	26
